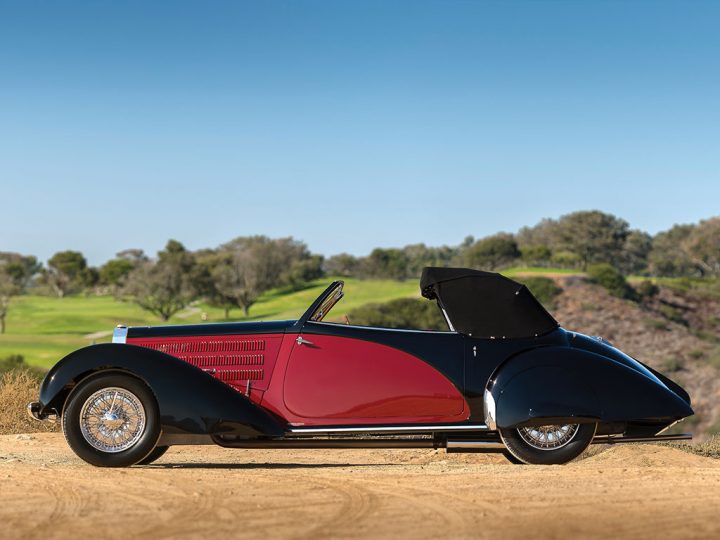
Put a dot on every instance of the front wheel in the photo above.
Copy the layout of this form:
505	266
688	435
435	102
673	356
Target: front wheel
552	444
111	420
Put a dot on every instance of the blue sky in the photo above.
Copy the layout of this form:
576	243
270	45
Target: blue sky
348	124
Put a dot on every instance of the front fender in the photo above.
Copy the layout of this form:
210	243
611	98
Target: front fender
190	400
565	384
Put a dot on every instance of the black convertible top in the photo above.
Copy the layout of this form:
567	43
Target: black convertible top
485	304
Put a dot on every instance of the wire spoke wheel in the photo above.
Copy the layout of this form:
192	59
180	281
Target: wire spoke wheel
550	437
112	419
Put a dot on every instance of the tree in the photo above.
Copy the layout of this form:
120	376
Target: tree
16	271
113	271
535	254
9	287
419	256
492	252
702	246
277	257
135	256
164	287
303	271
667	256
592	235
386	263
634	256
65	271
342	264
238	280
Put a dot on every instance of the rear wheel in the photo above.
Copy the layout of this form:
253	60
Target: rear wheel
552	444
111	420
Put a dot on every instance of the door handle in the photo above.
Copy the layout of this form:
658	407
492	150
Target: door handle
301	341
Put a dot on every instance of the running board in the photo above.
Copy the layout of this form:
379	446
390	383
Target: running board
300	443
385	430
617	439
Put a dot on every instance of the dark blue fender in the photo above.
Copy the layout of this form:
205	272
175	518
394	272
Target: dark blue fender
190	400
566	384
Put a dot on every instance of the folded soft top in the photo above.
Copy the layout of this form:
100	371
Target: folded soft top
485	304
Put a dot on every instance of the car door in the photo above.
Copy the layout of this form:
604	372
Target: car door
340	373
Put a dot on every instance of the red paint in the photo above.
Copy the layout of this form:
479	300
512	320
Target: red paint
235	359
341	380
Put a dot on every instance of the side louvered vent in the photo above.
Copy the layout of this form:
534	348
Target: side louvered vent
235	360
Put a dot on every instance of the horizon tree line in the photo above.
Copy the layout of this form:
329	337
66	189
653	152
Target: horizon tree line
235	274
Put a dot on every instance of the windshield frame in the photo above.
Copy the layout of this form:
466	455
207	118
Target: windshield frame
324	303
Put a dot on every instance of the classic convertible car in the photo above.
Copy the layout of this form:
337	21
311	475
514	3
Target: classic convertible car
503	377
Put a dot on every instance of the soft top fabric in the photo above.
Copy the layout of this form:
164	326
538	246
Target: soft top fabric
486	304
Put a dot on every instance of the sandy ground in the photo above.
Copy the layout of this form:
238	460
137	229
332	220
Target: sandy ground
210	492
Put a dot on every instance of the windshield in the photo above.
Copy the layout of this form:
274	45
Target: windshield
330	300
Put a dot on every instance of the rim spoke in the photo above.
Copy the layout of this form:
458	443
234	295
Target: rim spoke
112	420
549	437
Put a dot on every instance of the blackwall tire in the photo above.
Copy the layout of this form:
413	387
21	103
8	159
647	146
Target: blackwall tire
156	454
529	449
111	420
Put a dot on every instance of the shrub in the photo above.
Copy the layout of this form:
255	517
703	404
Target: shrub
647	290
655	324
19	387
671	365
544	289
672	314
408	313
611	279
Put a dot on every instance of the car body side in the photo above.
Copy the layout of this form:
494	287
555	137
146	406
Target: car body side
350	375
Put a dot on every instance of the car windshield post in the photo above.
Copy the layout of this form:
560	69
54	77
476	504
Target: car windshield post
323	309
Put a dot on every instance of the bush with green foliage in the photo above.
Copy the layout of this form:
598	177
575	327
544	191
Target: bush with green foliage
611	279
408	313
544	289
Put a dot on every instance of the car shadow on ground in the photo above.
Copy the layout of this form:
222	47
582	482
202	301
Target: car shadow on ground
263	465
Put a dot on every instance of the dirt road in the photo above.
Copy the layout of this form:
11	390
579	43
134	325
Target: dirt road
203	492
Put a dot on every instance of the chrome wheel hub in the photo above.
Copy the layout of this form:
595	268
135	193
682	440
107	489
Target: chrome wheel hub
550	437
112	419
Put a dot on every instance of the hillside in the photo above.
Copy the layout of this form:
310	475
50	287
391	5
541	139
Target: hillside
677	333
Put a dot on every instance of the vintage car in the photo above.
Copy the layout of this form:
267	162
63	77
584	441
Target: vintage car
503	377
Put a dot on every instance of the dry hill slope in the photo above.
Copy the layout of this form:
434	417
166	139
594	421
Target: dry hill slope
674	333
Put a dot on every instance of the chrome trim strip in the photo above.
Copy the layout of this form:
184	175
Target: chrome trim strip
490	445
392	429
120	334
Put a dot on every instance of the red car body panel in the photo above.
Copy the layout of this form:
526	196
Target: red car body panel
335	380
234	359
338	380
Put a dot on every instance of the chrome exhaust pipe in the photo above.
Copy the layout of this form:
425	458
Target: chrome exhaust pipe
474	445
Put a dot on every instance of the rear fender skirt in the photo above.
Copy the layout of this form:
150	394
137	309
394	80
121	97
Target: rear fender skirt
190	400
564	384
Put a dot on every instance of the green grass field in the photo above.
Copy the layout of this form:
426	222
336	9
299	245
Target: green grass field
44	329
